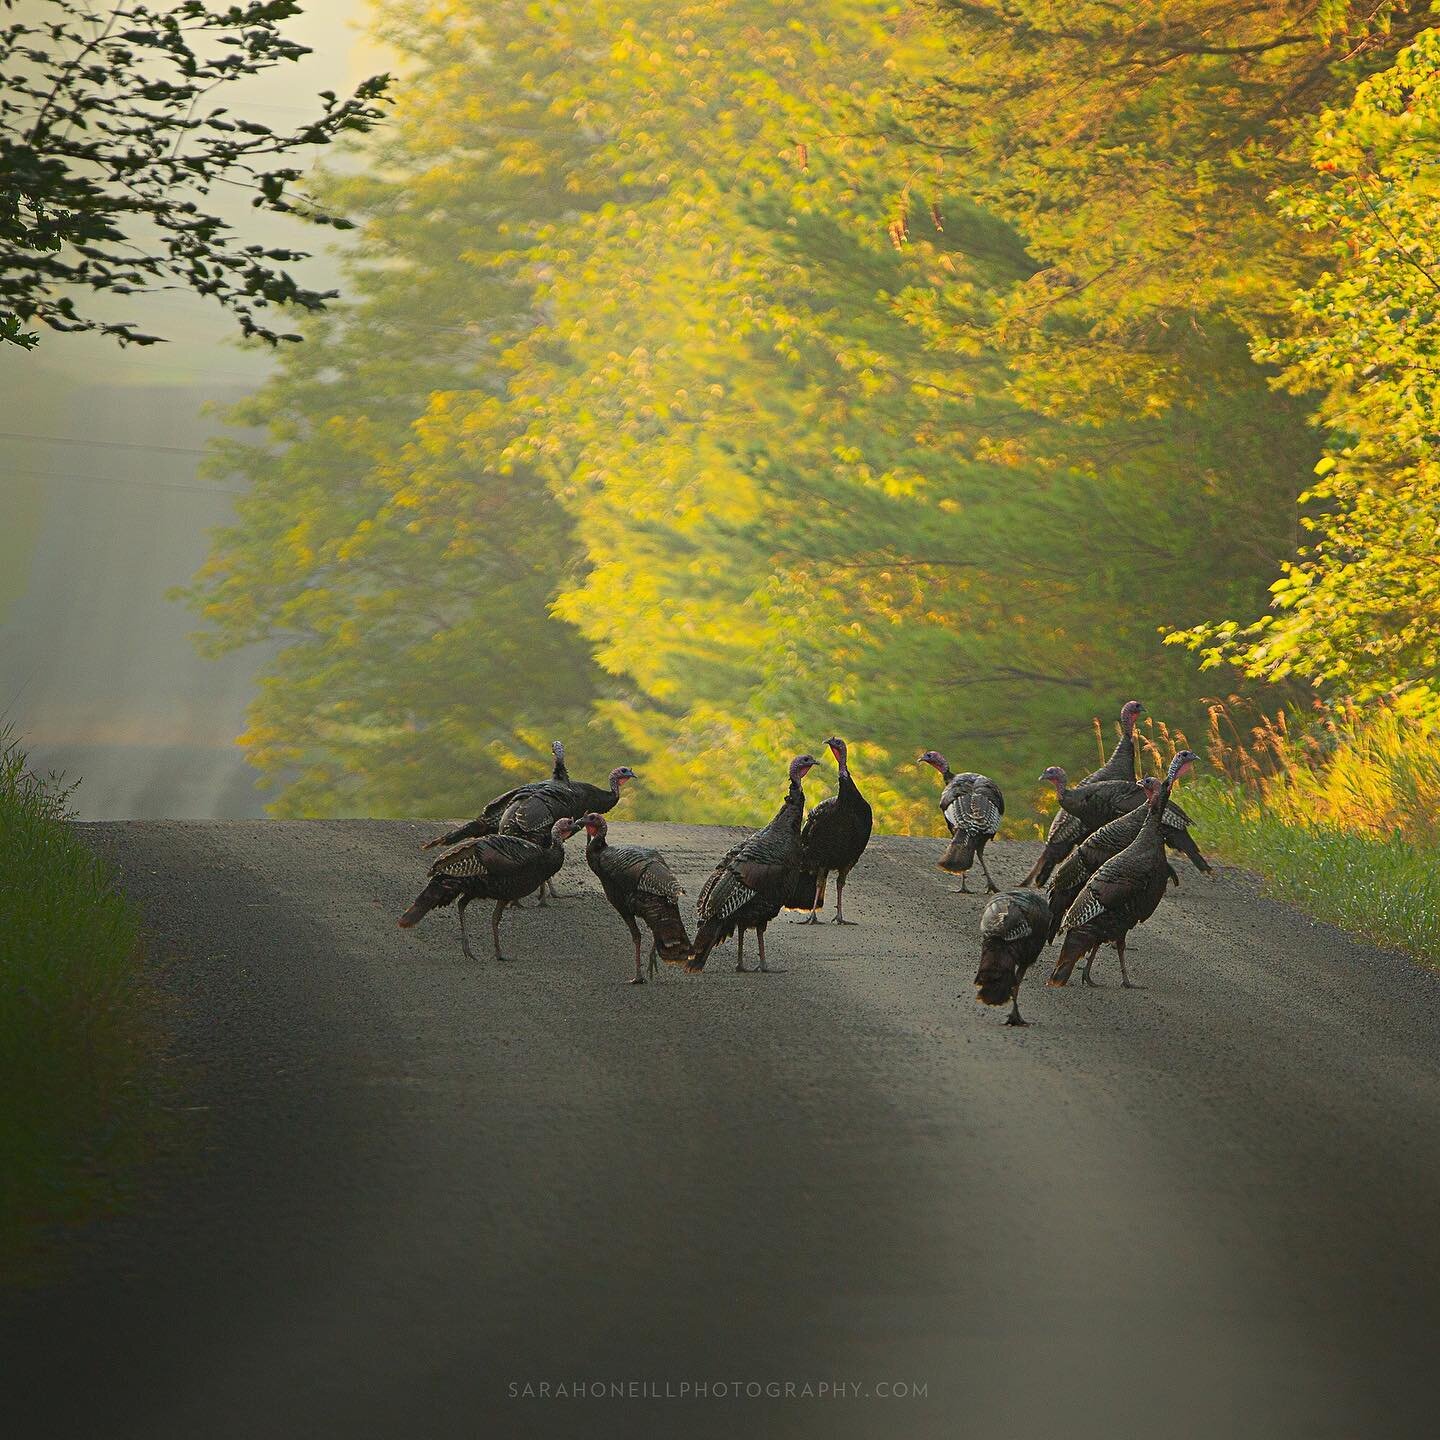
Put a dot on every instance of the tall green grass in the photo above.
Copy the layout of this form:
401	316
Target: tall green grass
1337	809
77	1040
1386	889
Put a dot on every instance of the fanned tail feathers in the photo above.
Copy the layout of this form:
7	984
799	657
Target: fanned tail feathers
960	854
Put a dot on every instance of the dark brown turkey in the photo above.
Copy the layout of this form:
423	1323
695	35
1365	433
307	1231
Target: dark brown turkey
503	868
488	821
971	805
1124	892
834	838
752	882
639	884
1014	929
531	809
1066	832
1091	853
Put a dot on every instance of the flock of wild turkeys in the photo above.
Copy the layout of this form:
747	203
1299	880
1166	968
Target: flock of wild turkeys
1103	867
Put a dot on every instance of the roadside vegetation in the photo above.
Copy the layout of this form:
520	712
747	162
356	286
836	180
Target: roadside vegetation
76	1022
1339	811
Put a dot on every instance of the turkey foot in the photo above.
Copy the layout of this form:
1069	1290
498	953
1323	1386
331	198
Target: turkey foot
763	968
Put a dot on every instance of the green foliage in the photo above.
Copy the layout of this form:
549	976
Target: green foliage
734	380
1203	165
399	565
1360	610
110	146
76	1051
1384	888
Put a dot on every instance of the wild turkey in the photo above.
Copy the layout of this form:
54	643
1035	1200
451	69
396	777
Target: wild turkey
1096	803
971	805
535	808
638	882
1013	931
488	821
834	837
1111	838
503	868
1091	853
1122	893
752	882
1066	832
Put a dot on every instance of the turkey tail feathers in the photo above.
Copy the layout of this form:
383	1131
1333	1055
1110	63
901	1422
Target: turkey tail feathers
960	854
707	937
434	895
672	940
1076	944
1050	857
995	979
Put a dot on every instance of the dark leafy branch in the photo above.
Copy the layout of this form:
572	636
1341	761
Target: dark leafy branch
110	144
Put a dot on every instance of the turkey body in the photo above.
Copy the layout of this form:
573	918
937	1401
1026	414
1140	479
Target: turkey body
503	868
1014	929
535	808
530	810
832	840
640	885
488	821
1067	830
1122	893
752	882
972	806
1109	840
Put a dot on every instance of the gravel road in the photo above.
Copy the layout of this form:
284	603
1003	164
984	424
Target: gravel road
406	1192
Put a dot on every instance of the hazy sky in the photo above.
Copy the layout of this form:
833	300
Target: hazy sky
104	512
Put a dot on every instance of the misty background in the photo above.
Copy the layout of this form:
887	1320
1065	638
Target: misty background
104	512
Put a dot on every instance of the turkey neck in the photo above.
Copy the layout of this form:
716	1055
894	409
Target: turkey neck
1150	837
1122	757
793	810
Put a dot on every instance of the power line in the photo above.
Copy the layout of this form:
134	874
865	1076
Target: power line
102	444
118	480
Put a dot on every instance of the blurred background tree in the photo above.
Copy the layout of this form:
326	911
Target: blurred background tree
717	381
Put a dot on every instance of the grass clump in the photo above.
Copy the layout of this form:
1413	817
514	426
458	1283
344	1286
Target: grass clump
1339	811
76	1034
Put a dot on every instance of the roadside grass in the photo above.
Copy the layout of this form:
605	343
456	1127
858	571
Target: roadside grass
1337	809
77	1031
1385	889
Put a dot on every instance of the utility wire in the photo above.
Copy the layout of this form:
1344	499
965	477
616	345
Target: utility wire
8	474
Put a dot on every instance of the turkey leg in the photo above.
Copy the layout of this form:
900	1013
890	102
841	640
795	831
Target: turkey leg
464	938
1013	1018
760	936
990	884
635	936
1126	983
840	901
495	926
740	953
